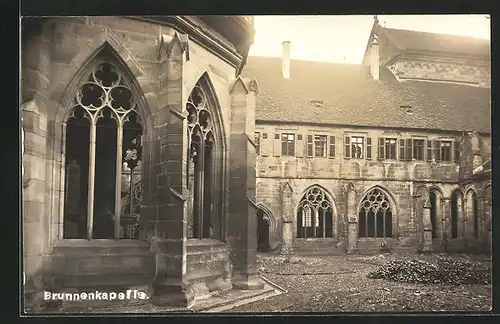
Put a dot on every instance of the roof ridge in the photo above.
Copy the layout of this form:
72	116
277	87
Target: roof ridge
433	33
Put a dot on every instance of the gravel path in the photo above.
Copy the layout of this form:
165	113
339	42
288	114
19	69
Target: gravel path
340	284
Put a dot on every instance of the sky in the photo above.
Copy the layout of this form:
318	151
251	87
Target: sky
342	39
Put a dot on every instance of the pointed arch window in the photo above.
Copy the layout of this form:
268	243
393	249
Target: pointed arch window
103	158
201	175
375	215
314	216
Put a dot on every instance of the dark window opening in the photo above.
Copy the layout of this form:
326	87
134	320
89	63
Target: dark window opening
320	145
390	148
103	179
314	216
375	215
418	149
357	147
433	212
445	151
262	232
288	144
201	169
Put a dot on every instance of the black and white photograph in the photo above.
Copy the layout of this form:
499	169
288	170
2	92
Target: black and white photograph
256	164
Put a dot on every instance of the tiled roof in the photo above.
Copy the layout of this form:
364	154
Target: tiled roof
351	97
423	41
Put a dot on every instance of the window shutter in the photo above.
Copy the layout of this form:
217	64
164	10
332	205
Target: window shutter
381	149
300	146
332	147
429	151
402	149
310	146
347	151
264	145
457	151
369	148
409	149
277	145
437	151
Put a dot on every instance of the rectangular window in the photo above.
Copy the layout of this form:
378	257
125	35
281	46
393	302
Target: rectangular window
347	152
264	135
390	148
310	146
418	149
446	151
369	148
332	146
320	145
429	151
357	147
437	151
381	149
457	151
288	144
299	137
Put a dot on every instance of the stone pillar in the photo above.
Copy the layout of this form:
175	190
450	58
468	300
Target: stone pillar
242	223
36	78
427	244
170	146
288	217
352	219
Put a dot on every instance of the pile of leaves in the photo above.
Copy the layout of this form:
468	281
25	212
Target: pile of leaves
438	271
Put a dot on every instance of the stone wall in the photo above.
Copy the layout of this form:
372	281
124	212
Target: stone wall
401	180
54	60
438	69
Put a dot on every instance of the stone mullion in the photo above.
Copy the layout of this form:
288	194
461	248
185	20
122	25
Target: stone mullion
90	198
118	179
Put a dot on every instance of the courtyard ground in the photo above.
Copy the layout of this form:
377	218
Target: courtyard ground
340	284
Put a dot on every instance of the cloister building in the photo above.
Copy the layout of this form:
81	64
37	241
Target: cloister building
390	154
157	154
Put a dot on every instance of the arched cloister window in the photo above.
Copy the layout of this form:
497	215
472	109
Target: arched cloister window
103	158
375	215
314	215
201	167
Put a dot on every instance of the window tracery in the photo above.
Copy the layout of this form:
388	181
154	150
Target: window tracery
200	163
314	217
103	143
375	215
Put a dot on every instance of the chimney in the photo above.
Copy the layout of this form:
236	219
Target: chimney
285	65
374	58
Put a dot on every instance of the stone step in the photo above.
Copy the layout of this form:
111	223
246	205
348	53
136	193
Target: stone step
234	297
